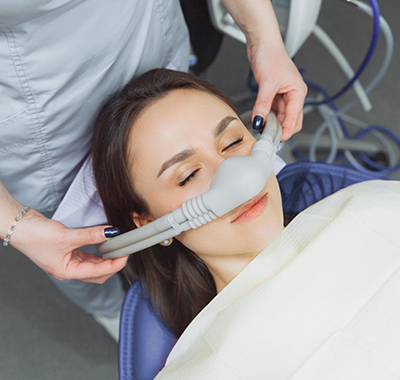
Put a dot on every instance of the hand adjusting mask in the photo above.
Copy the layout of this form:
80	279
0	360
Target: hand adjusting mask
236	181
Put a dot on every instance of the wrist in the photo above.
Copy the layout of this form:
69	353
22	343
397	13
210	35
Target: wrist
261	53
257	20
9	214
14	224
23	229
261	39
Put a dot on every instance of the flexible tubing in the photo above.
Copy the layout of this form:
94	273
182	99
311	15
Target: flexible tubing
367	58
382	130
332	120
389	41
343	132
326	114
344	64
324	94
140	245
145	232
388	147
336	134
384	26
334	127
378	135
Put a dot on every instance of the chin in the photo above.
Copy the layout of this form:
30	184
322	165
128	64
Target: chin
263	237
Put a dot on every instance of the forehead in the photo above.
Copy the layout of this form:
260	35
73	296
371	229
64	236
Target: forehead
178	119
182	105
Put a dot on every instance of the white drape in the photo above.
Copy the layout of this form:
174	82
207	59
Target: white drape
321	302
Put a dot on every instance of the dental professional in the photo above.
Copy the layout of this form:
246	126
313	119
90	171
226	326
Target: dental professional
59	61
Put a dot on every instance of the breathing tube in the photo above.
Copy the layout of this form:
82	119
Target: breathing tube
236	181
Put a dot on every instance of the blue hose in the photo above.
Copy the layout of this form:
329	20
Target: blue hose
331	103
370	162
364	64
378	170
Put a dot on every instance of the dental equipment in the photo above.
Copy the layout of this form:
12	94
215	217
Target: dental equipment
337	138
296	19
228	190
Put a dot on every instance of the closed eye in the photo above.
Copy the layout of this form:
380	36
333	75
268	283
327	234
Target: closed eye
192	175
233	144
188	178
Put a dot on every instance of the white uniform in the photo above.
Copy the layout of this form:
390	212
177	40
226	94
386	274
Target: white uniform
59	60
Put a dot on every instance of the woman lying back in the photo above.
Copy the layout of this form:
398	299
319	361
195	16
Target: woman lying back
316	300
159	143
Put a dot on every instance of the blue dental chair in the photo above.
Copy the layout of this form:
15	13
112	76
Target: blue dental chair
144	342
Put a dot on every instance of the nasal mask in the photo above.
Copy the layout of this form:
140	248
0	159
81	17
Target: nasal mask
236	181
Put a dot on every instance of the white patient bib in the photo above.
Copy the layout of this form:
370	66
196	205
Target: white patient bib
321	302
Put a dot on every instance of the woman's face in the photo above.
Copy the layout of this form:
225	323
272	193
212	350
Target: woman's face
175	147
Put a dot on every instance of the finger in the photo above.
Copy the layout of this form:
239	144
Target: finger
294	108
265	97
278	107
86	267
299	123
94	280
91	235
80	256
99	280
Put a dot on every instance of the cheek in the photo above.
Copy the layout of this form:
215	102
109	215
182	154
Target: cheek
161	206
208	239
175	197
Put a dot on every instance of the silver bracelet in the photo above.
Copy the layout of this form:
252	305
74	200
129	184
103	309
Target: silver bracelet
10	231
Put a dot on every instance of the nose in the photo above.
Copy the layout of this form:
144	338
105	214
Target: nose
215	162
219	158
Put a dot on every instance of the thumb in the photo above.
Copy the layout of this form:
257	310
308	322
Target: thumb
262	107
93	235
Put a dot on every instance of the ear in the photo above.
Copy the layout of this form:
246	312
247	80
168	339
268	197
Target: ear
141	220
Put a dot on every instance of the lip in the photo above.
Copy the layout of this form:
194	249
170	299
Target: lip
248	206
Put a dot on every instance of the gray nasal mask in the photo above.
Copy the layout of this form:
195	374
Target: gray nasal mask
236	181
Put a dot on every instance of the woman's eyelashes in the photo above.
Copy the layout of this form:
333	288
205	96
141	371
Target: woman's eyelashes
233	144
188	178
193	173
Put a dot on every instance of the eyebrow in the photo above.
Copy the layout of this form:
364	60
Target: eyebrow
185	154
222	125
181	156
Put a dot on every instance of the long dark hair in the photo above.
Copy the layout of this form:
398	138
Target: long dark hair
178	282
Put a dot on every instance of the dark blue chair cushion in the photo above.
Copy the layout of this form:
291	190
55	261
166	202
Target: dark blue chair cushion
144	342
305	183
